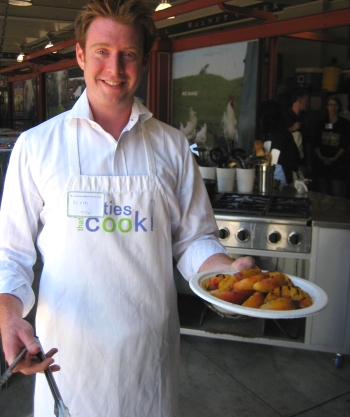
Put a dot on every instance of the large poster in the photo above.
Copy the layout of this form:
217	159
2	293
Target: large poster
76	85
208	93
56	93
17	91
30	100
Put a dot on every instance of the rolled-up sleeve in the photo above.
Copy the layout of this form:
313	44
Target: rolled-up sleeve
19	217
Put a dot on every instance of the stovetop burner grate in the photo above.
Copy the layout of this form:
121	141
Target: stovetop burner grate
260	205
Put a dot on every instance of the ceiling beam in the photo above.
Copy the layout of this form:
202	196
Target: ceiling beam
190	6
319	37
244	11
325	20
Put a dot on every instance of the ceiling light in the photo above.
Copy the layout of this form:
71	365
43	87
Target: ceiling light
49	45
163	5
20	2
20	57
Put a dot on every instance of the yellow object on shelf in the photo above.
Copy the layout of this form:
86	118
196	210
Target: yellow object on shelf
331	78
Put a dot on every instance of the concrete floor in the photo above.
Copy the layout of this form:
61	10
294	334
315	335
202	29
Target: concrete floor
232	379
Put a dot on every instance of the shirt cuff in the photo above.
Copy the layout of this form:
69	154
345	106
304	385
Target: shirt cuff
23	292
196	254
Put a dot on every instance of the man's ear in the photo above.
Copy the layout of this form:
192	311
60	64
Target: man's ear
80	56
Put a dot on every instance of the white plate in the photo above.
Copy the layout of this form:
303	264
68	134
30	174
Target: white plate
319	298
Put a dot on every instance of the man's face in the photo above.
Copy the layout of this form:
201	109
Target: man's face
113	64
304	103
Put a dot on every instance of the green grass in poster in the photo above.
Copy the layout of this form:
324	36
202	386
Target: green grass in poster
208	95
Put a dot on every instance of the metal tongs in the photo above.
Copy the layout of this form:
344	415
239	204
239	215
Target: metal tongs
6	375
60	409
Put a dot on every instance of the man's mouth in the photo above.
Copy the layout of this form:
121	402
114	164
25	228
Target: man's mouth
113	83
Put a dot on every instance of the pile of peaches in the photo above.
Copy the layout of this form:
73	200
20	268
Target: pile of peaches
257	289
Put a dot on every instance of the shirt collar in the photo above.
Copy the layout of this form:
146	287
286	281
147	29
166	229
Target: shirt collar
81	110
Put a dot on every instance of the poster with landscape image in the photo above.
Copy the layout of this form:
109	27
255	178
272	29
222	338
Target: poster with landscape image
213	88
76	85
56	93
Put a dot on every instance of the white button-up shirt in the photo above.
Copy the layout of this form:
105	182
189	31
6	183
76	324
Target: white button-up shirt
38	173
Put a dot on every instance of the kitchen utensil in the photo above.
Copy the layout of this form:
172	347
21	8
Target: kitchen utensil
275	154
197	155
267	146
203	153
238	160
219	156
198	159
253	160
60	409
6	375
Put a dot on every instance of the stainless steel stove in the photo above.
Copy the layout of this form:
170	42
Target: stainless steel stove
262	222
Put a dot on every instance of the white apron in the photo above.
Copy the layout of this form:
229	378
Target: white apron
107	299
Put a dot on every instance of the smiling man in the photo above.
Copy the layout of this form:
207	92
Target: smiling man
109	196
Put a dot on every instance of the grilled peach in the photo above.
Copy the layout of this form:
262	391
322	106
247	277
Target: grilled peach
255	300
305	302
235	296
247	283
213	282
227	283
246	273
279	304
268	284
286	291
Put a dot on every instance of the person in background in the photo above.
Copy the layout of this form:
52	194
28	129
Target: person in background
295	120
109	196
273	128
332	140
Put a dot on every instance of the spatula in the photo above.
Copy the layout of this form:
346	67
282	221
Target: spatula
275	154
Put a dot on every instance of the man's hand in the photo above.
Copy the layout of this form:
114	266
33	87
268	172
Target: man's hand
17	333
221	261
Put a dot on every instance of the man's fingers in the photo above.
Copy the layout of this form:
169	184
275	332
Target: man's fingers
32	364
51	352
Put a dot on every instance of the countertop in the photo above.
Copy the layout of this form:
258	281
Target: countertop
326	211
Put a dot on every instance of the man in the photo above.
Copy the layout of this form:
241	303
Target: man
109	195
295	120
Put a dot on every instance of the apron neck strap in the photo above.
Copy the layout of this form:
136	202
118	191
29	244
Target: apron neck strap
149	151
74	163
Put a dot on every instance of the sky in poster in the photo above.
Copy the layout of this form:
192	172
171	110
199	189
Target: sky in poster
191	62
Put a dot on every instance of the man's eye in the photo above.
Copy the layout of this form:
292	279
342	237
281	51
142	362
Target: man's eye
101	52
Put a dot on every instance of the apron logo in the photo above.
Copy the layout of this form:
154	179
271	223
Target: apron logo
123	225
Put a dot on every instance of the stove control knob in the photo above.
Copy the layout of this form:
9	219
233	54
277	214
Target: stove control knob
243	235
294	239
224	233
274	237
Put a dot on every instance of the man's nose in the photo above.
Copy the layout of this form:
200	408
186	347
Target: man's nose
116	65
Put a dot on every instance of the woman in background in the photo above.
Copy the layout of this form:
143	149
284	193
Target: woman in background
273	128
332	139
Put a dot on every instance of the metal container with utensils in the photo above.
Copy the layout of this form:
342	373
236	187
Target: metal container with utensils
265	178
